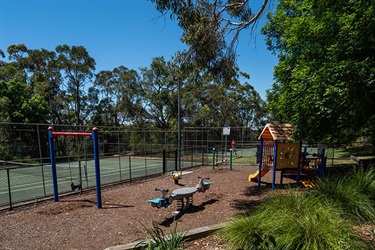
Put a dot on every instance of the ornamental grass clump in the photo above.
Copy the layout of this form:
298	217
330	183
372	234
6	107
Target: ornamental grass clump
354	193
160	241
292	219
364	181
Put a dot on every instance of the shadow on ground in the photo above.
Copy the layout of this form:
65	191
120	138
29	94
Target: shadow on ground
192	209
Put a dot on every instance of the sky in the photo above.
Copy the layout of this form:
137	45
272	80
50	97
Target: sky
117	33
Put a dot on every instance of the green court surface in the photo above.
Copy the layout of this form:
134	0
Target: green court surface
33	181
27	182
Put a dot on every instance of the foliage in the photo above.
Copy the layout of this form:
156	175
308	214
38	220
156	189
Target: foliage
325	77
211	30
20	104
294	220
78	69
150	97
159	241
353	192
115	93
64	79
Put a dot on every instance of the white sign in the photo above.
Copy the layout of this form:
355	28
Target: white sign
226	130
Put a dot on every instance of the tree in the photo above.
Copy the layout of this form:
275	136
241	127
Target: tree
159	94
19	103
325	79
118	97
44	76
211	30
210	100
78	68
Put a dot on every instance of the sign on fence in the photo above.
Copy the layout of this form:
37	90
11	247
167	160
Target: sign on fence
226	130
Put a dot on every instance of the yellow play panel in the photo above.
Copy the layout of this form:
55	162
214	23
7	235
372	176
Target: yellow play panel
288	155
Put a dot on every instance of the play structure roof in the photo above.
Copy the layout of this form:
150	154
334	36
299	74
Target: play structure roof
280	132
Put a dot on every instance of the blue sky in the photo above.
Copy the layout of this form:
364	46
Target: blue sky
115	33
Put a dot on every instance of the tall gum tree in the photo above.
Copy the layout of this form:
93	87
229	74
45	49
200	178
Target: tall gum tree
211	29
78	69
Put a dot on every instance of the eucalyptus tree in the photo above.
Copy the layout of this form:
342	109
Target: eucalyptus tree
77	68
2	55
232	103
211	29
325	79
14	69
209	99
43	74
158	105
118	97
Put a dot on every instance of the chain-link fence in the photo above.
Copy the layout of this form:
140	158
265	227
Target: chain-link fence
125	154
30	141
25	182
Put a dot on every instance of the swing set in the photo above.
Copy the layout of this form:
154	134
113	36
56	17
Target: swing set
75	171
94	136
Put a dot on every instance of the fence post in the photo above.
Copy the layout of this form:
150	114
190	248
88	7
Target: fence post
213	158
202	155
192	157
130	169
164	161
9	191
230	159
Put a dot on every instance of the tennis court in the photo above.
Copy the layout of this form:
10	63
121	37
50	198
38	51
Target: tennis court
21	182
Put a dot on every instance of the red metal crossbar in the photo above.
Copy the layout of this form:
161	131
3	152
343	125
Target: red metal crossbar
71	133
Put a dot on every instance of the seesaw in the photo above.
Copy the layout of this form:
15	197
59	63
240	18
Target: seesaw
180	195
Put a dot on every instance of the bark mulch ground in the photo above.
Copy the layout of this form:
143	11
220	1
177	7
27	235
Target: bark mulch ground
75	222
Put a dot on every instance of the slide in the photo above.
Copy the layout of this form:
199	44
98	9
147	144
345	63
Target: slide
254	177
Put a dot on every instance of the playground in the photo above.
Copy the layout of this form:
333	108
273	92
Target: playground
193	198
74	222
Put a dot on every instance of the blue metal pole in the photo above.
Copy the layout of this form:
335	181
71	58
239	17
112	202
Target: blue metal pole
97	167
53	164
260	161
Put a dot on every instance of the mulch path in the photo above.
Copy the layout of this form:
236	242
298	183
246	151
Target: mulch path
75	222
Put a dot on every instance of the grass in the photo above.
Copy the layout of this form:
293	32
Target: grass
353	192
159	241
323	218
292	220
356	150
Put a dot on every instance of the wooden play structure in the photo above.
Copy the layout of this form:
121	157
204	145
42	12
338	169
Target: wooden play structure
278	152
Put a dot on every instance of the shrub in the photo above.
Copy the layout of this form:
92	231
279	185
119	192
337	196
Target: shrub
353	193
292	220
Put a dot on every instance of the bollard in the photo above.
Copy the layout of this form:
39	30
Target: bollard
230	159
213	158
